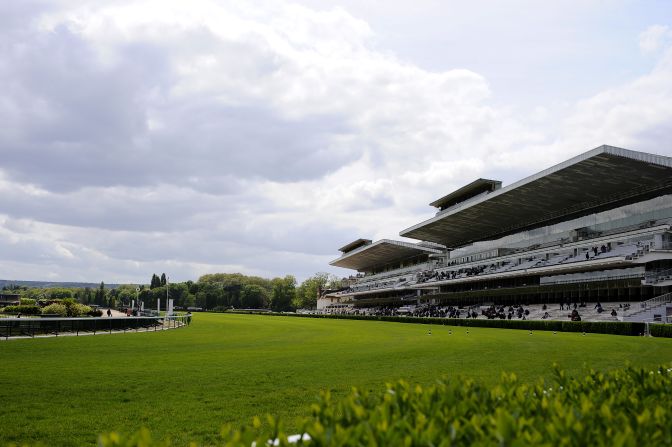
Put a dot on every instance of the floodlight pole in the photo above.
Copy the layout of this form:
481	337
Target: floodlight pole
167	285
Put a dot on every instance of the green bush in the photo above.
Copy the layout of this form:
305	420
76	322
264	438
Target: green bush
27	302
661	330
627	407
67	308
78	310
55	309
23	309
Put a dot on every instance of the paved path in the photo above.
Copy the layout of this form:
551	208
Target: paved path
115	313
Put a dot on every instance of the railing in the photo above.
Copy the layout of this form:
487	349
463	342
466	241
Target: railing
30	327
665	245
644	306
592	279
397	272
656	276
656	300
614	236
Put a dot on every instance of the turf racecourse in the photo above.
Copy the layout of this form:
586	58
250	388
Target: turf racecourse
184	384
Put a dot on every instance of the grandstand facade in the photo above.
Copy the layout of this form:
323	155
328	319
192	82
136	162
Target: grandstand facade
596	227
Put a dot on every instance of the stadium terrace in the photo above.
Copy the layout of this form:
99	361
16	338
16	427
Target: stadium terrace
595	228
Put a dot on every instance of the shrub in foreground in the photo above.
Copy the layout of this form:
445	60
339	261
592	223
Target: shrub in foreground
627	407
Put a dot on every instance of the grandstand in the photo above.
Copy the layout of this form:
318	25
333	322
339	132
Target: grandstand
595	228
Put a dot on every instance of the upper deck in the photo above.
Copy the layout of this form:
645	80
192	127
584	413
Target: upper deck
598	179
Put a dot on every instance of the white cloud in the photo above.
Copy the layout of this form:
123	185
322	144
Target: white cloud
147	136
654	38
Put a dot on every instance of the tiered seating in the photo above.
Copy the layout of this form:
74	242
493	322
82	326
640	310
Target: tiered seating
587	311
658	276
555	260
393	282
428	272
397	272
530	263
628	251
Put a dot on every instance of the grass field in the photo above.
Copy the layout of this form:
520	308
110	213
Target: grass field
186	383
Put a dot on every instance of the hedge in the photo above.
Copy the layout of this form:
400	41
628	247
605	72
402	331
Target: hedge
595	327
23	309
661	330
625	407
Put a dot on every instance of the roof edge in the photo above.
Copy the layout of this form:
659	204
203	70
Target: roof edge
386	241
644	157
462	194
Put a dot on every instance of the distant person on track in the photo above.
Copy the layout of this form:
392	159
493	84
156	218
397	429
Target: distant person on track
109	312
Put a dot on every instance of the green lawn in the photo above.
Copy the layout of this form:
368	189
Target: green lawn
186	383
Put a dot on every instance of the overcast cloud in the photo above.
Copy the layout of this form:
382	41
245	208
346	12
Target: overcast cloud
258	137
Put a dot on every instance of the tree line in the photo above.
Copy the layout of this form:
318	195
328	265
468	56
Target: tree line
215	291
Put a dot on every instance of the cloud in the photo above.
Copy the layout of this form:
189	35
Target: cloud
144	136
138	111
654	38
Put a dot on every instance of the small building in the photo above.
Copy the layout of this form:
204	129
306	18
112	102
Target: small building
9	299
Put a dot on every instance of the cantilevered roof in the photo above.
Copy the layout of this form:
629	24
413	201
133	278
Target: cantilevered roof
381	252
466	192
354	244
605	176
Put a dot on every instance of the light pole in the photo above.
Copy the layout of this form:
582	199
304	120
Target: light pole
167	286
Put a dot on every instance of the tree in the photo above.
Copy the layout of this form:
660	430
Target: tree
157	293
100	295
179	292
156	282
112	298
163	279
126	294
146	296
59	293
284	291
87	296
209	296
311	288
253	297
34	293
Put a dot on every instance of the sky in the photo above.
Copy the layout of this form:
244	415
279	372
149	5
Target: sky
258	137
